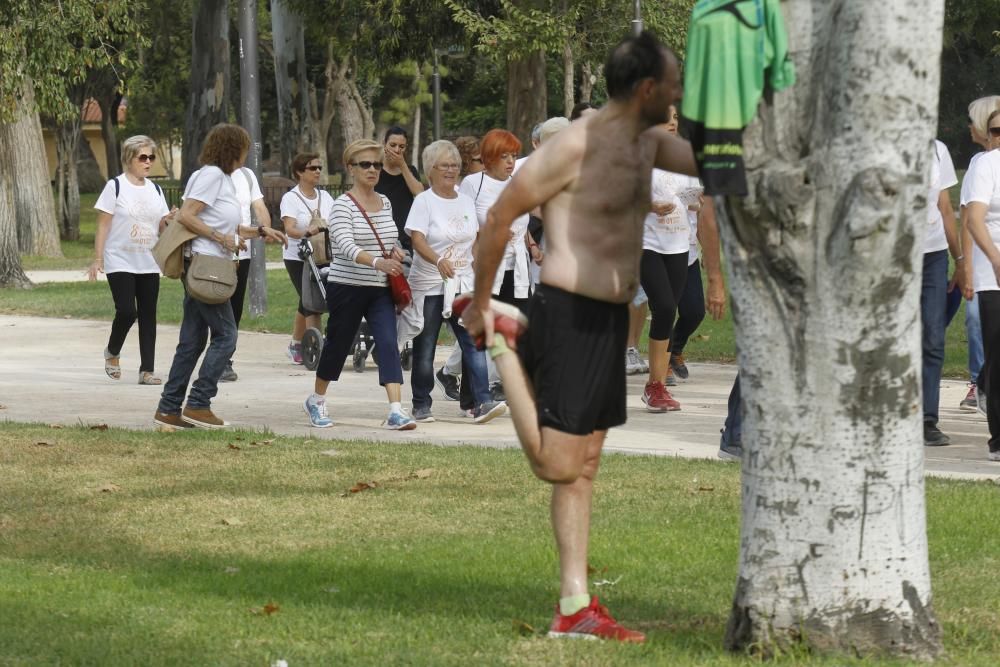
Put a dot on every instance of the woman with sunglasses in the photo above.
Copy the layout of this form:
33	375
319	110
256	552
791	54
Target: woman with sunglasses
983	216
357	285
443	228
304	210
131	212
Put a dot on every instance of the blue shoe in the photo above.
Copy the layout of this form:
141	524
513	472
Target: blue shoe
399	421
423	415
318	416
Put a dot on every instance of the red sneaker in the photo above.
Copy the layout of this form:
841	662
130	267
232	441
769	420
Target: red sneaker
508	320
658	399
592	622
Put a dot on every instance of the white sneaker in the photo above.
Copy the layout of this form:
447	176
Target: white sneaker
633	363
994	456
318	416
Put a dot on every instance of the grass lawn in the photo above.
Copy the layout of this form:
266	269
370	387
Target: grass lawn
147	548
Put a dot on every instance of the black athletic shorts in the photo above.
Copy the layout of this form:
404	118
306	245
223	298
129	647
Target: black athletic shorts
573	353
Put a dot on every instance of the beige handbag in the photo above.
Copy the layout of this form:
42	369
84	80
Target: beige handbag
321	254
210	279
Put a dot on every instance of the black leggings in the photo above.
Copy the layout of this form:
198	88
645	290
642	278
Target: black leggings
294	268
662	278
238	297
506	294
989	376
135	296
690	309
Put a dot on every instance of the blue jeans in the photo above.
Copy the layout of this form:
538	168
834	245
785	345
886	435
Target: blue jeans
933	307
198	320
733	433
347	305
424	345
974	334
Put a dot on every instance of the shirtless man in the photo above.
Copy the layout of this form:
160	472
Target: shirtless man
566	384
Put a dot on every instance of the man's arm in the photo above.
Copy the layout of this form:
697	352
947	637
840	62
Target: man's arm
708	236
673	153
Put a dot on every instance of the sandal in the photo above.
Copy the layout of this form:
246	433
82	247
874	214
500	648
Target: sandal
114	371
147	377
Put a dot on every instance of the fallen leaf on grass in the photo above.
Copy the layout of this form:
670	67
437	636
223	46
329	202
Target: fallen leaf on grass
359	487
232	446
524	629
330	452
57	426
231	522
160	428
98	427
266	610
110	488
591	570
262	442
702	337
706	488
45	443
422	474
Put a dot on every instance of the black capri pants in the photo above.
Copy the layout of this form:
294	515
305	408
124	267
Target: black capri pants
662	277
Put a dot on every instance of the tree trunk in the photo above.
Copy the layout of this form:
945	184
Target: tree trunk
527	99
68	184
416	136
11	273
825	257
109	103
327	142
88	171
210	79
568	71
587	80
356	120
296	129
33	212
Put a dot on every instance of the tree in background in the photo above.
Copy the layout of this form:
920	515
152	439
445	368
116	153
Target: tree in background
210	81
824	258
67	40
411	82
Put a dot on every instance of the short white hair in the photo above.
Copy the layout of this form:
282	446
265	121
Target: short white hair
551	127
132	146
437	150
980	110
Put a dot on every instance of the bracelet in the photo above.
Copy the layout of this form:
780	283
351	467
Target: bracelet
375	262
260	232
440	259
960	258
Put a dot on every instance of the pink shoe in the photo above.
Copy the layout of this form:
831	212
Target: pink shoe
508	320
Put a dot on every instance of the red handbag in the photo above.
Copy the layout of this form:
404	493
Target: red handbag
402	295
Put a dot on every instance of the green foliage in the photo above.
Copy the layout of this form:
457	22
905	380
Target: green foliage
55	45
411	81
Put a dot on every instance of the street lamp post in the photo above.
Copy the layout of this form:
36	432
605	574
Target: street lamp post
637	21
452	52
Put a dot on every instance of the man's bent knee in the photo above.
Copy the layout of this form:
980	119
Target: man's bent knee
557	472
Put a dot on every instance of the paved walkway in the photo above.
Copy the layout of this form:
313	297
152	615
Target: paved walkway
51	371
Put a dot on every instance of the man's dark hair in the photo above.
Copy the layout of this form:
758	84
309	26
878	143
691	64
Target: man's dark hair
395	129
634	59
579	109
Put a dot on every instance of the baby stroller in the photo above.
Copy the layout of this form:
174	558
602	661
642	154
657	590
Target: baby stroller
314	300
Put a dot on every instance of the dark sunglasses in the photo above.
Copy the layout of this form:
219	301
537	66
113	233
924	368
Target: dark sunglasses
995	131
365	164
314	167
142	157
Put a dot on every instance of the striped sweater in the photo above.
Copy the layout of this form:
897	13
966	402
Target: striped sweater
350	234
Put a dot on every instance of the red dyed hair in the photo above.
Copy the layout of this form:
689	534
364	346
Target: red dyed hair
495	143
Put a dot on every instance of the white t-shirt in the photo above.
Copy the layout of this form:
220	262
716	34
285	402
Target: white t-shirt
246	193
963	198
216	191
984	187
450	226
694	253
484	190
292	206
669	234
942	177
135	225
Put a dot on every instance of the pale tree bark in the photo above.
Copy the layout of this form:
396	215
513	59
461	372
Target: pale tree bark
355	115
297	129
322	118
587	80
11	273
569	69
825	258
33	216
210	79
416	136
527	97
67	178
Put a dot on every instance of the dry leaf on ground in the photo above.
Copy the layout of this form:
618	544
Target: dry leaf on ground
361	486
99	427
231	521
232	446
262	442
110	488
45	443
523	628
706	488
55	426
330	452
423	474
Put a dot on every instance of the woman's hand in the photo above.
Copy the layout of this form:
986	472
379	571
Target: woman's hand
445	268
165	220
312	231
388	266
274	236
397	254
536	254
228	243
97	266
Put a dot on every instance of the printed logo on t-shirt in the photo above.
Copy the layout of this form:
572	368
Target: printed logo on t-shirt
142	238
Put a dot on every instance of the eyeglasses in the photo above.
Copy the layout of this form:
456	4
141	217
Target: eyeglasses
142	157
448	167
314	167
994	131
365	164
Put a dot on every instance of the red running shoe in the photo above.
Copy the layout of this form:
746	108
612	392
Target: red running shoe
508	320
592	622
658	399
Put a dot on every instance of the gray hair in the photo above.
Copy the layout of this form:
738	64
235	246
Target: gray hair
552	126
439	149
980	110
132	146
536	133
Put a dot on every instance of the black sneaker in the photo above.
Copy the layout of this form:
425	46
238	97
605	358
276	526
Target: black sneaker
487	411
730	451
406	358
496	393
449	384
933	437
229	375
